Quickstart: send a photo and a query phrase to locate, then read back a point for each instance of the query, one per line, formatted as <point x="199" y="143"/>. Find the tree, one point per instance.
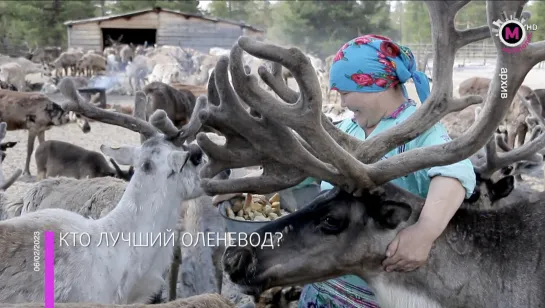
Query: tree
<point x="537" y="9"/>
<point x="396" y="20"/>
<point x="41" y="22"/>
<point x="416" y="23"/>
<point x="189" y="6"/>
<point x="321" y="27"/>
<point x="472" y="15"/>
<point x="235" y="10"/>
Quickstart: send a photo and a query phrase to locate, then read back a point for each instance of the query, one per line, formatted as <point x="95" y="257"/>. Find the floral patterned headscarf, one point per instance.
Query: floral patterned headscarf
<point x="374" y="63"/>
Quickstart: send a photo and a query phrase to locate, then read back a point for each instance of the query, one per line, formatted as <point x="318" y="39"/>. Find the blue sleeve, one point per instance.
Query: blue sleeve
<point x="462" y="170"/>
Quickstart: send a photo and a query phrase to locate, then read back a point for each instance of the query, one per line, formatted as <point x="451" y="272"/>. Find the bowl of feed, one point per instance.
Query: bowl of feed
<point x="249" y="212"/>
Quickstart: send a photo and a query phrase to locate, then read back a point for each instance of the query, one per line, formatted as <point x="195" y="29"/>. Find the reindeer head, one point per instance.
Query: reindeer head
<point x="3" y="147"/>
<point x="496" y="171"/>
<point x="162" y="159"/>
<point x="316" y="241"/>
<point x="30" y="54"/>
<point x="5" y="184"/>
<point x="80" y="120"/>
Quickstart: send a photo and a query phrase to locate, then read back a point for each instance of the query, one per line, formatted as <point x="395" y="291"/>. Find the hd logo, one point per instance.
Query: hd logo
<point x="513" y="32"/>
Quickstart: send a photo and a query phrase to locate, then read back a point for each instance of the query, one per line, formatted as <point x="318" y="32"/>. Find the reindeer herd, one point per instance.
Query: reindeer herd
<point x="489" y="255"/>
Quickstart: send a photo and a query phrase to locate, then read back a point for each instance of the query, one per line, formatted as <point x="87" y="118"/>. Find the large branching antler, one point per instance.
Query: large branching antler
<point x="357" y="160"/>
<point x="139" y="110"/>
<point x="250" y="141"/>
<point x="78" y="104"/>
<point x="194" y="125"/>
<point x="527" y="152"/>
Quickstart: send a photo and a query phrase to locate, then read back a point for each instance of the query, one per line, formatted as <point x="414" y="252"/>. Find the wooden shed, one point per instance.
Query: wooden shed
<point x="159" y="26"/>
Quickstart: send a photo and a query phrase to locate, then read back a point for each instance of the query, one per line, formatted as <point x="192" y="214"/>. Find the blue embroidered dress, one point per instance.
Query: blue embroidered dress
<point x="351" y="291"/>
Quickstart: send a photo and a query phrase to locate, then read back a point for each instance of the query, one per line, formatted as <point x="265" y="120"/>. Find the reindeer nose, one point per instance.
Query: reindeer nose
<point x="86" y="128"/>
<point x="236" y="262"/>
<point x="507" y="170"/>
<point x="195" y="153"/>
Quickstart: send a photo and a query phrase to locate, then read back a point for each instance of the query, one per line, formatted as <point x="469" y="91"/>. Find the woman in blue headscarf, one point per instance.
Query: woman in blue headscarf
<point x="369" y="72"/>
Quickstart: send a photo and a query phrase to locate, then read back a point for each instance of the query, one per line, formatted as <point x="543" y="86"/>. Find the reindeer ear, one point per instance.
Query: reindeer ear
<point x="177" y="160"/>
<point x="124" y="155"/>
<point x="502" y="188"/>
<point x="392" y="213"/>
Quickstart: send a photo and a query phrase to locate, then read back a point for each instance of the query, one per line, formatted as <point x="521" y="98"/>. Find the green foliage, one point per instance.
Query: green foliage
<point x="322" y="27"/>
<point x="416" y="26"/>
<point x="472" y="15"/>
<point x="415" y="20"/>
<point x="41" y="22"/>
<point x="235" y="10"/>
<point x="256" y="13"/>
<point x="123" y="6"/>
<point x="537" y="9"/>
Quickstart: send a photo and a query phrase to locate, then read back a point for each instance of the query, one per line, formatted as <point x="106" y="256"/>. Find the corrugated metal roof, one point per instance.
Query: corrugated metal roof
<point x="158" y="9"/>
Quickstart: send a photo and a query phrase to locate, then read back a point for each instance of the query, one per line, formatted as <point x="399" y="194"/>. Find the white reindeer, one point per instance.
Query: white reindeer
<point x="166" y="173"/>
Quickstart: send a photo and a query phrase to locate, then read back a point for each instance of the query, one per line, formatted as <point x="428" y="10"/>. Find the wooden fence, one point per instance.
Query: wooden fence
<point x="11" y="48"/>
<point x="481" y="53"/>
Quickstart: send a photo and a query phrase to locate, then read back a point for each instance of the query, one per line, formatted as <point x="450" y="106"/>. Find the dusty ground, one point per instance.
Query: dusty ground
<point x="112" y="135"/>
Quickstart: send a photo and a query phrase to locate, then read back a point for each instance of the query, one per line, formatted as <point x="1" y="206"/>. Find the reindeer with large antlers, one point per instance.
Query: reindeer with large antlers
<point x="482" y="259"/>
<point x="166" y="173"/>
<point x="489" y="193"/>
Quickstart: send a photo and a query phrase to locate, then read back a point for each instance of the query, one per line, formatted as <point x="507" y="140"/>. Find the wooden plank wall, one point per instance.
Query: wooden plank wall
<point x="148" y="20"/>
<point x="195" y="33"/>
<point x="87" y="36"/>
<point x="172" y="29"/>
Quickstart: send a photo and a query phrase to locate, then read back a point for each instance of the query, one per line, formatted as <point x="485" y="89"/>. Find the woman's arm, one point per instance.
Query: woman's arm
<point x="445" y="196"/>
<point x="411" y="247"/>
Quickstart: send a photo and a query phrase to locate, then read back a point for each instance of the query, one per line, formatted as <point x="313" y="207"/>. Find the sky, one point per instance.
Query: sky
<point x="204" y="4"/>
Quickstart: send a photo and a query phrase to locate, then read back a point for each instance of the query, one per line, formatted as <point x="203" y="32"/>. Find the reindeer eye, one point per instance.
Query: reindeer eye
<point x="332" y="225"/>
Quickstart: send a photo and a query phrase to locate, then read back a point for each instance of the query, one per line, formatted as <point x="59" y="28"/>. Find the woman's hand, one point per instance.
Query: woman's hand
<point x="411" y="246"/>
<point x="409" y="249"/>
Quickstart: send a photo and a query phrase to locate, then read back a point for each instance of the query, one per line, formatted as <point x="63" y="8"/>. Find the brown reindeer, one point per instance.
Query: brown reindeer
<point x="91" y="64"/>
<point x="5" y="183"/>
<point x="516" y="126"/>
<point x="515" y="119"/>
<point x="58" y="158"/>
<point x="43" y="55"/>
<point x="36" y="113"/>
<point x="178" y="104"/>
<point x="65" y="61"/>
<point x="484" y="258"/>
